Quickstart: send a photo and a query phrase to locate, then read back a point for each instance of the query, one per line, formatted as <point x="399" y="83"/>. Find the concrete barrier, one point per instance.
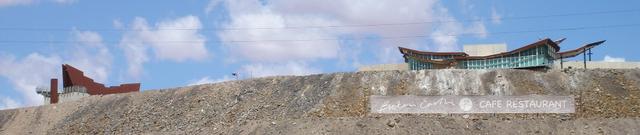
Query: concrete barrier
<point x="384" y="67"/>
<point x="598" y="65"/>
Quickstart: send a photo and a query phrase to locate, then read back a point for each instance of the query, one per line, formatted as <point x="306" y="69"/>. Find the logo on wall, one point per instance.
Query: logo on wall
<point x="465" y="104"/>
<point x="472" y="104"/>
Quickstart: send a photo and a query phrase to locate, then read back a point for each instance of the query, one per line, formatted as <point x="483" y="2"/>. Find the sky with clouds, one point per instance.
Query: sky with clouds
<point x="165" y="44"/>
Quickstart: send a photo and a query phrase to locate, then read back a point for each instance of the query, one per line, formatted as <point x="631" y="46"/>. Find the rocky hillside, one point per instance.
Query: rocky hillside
<point x="607" y="102"/>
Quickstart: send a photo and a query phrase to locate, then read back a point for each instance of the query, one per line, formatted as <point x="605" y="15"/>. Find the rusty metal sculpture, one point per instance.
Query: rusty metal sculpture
<point x="72" y="77"/>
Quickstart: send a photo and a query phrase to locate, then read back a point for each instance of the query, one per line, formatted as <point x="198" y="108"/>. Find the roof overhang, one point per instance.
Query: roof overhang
<point x="407" y="51"/>
<point x="578" y="51"/>
<point x="546" y="41"/>
<point x="465" y="56"/>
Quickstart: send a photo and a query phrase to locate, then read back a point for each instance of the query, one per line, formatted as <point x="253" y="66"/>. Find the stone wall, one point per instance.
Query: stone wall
<point x="72" y="96"/>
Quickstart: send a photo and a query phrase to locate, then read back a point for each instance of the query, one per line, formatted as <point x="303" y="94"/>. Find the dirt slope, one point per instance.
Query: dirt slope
<point x="608" y="102"/>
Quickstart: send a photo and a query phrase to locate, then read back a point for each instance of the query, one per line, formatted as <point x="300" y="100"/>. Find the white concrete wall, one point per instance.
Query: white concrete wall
<point x="66" y="97"/>
<point x="47" y="100"/>
<point x="484" y="49"/>
<point x="598" y="64"/>
<point x="384" y="67"/>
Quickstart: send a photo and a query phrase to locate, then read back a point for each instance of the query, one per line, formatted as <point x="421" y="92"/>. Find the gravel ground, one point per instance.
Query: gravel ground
<point x="607" y="103"/>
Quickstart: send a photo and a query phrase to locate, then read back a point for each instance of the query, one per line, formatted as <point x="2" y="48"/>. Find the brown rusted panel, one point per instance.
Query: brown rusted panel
<point x="122" y="88"/>
<point x="75" y="77"/>
<point x="54" y="91"/>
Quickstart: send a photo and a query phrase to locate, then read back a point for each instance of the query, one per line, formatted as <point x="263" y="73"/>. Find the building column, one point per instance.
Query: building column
<point x="561" y="61"/>
<point x="54" y="91"/>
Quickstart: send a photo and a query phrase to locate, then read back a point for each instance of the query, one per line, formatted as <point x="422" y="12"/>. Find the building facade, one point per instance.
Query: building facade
<point x="540" y="54"/>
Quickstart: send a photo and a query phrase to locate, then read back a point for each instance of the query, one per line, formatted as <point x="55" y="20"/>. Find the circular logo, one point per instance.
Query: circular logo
<point x="465" y="104"/>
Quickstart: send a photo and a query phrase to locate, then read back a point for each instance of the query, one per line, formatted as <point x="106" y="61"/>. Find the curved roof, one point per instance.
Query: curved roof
<point x="546" y="41"/>
<point x="407" y="50"/>
<point x="578" y="51"/>
<point x="462" y="55"/>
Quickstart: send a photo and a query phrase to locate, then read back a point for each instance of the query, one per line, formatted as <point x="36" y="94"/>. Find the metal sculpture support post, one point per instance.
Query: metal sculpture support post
<point x="589" y="54"/>
<point x="54" y="91"/>
<point x="584" y="58"/>
<point x="561" y="61"/>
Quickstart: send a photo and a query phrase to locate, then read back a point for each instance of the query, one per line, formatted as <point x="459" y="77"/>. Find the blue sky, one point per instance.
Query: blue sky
<point x="165" y="44"/>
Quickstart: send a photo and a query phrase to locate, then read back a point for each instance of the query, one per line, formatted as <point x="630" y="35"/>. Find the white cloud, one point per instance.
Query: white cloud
<point x="477" y="29"/>
<point x="312" y="26"/>
<point x="4" y="3"/>
<point x="608" y="58"/>
<point x="207" y="79"/>
<point x="88" y="54"/>
<point x="496" y="18"/>
<point x="193" y="48"/>
<point x="8" y="103"/>
<point x="278" y="51"/>
<point x="203" y="80"/>
<point x="211" y="5"/>
<point x="134" y="51"/>
<point x="176" y="40"/>
<point x="27" y="73"/>
<point x="294" y="13"/>
<point x="91" y="55"/>
<point x="118" y="24"/>
<point x="65" y="1"/>
<point x="445" y="36"/>
<point x="467" y="6"/>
